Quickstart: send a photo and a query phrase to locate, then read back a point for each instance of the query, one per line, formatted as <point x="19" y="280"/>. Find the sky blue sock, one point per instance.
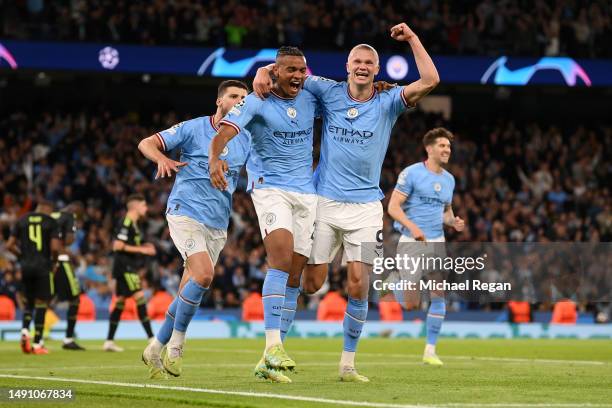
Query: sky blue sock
<point x="435" y="317"/>
<point x="354" y="318"/>
<point x="273" y="296"/>
<point x="289" y="308"/>
<point x="189" y="300"/>
<point x="164" y="333"/>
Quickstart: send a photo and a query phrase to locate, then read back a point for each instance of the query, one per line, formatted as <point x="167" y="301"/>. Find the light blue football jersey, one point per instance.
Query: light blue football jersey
<point x="428" y="193"/>
<point x="282" y="136"/>
<point x="192" y="194"/>
<point x="355" y="139"/>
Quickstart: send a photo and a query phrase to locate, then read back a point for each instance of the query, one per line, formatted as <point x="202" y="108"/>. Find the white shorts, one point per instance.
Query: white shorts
<point x="190" y="237"/>
<point x="292" y="211"/>
<point x="356" y="226"/>
<point x="418" y="249"/>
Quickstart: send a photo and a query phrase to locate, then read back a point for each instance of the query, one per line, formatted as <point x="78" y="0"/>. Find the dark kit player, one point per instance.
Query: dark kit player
<point x="67" y="288"/>
<point x="128" y="249"/>
<point x="34" y="239"/>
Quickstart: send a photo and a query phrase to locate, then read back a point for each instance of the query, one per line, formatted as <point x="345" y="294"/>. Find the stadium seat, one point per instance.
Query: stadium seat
<point x="7" y="308"/>
<point x="564" y="312"/>
<point x="130" y="311"/>
<point x="158" y="305"/>
<point x="252" y="308"/>
<point x="87" y="309"/>
<point x="390" y="311"/>
<point x="519" y="312"/>
<point x="332" y="307"/>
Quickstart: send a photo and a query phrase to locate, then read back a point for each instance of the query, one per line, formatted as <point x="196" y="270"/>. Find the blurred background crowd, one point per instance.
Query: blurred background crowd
<point x="516" y="182"/>
<point x="581" y="28"/>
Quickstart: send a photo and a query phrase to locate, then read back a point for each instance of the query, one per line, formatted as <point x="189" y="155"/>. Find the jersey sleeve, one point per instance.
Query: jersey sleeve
<point x="395" y="101"/>
<point x="243" y="112"/>
<point x="405" y="182"/>
<point x="54" y="229"/>
<point x="122" y="231"/>
<point x="174" y="137"/>
<point x="318" y="86"/>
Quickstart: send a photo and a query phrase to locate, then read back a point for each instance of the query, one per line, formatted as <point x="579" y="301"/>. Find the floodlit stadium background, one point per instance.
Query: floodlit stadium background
<point x="524" y="87"/>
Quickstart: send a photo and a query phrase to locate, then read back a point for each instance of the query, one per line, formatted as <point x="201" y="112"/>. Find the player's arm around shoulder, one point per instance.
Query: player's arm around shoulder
<point x="429" y="77"/>
<point x="152" y="148"/>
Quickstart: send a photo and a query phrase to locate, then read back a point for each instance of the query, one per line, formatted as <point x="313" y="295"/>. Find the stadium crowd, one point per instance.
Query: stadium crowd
<point x="578" y="28"/>
<point x="528" y="182"/>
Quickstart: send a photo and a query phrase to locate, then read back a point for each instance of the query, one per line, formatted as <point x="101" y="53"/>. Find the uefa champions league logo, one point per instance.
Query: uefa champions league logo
<point x="291" y="112"/>
<point x="108" y="57"/>
<point x="225" y="151"/>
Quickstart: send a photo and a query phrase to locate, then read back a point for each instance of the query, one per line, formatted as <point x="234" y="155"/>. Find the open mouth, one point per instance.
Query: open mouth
<point x="361" y="74"/>
<point x="294" y="85"/>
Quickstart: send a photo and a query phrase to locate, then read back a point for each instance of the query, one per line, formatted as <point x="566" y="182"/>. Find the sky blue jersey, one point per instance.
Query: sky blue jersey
<point x="355" y="139"/>
<point x="428" y="193"/>
<point x="192" y="194"/>
<point x="282" y="136"/>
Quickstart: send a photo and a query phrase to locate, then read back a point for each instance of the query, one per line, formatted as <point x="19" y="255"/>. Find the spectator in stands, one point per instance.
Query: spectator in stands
<point x="252" y="305"/>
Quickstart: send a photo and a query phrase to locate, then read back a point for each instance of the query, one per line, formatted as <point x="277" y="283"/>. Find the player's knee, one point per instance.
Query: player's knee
<point x="201" y="269"/>
<point x="314" y="278"/>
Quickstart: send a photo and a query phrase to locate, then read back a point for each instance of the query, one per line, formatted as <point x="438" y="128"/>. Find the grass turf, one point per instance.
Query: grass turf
<point x="476" y="372"/>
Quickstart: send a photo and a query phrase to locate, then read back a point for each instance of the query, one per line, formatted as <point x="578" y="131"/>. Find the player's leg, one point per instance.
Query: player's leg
<point x="435" y="317"/>
<point x="28" y="302"/>
<point x="141" y="309"/>
<point x="201" y="270"/>
<point x="275" y="214"/>
<point x="361" y="246"/>
<point x="326" y="243"/>
<point x="303" y="233"/>
<point x="123" y="284"/>
<point x="292" y="292"/>
<point x="44" y="293"/>
<point x="354" y="318"/>
<point x="67" y="289"/>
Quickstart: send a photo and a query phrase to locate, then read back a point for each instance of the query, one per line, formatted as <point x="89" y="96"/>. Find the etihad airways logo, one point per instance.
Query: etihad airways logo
<point x="502" y="75"/>
<point x="8" y="57"/>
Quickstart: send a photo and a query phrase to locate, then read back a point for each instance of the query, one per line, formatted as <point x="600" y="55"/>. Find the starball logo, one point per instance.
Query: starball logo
<point x="502" y="75"/>
<point x="8" y="57"/>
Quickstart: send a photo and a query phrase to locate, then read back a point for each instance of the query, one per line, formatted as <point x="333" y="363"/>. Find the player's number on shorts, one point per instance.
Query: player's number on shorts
<point x="35" y="235"/>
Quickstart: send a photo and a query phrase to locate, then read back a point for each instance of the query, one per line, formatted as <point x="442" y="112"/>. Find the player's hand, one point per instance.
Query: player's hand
<point x="148" y="249"/>
<point x="217" y="169"/>
<point x="166" y="166"/>
<point x="459" y="224"/>
<point x="262" y="84"/>
<point x="402" y="32"/>
<point x="417" y="234"/>
<point x="383" y="86"/>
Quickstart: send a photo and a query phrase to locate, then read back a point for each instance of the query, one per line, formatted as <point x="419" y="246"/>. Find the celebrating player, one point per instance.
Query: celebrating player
<point x="421" y="205"/>
<point x="357" y="123"/>
<point x="129" y="249"/>
<point x="35" y="240"/>
<point x="197" y="214"/>
<point x="66" y="283"/>
<point x="280" y="181"/>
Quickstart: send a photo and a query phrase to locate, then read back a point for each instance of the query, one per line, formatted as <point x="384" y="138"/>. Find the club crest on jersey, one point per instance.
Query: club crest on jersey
<point x="352" y="113"/>
<point x="174" y="128"/>
<point x="189" y="243"/>
<point x="225" y="151"/>
<point x="437" y="187"/>
<point x="291" y="112"/>
<point x="270" y="218"/>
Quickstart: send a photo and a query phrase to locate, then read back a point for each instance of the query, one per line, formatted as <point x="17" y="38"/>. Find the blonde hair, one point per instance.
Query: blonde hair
<point x="364" y="47"/>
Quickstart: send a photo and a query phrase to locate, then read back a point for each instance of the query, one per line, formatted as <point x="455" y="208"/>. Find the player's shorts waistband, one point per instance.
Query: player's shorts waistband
<point x="63" y="258"/>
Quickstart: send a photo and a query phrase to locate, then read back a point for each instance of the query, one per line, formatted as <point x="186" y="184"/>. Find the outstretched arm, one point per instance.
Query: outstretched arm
<point x="151" y="148"/>
<point x="216" y="167"/>
<point x="427" y="70"/>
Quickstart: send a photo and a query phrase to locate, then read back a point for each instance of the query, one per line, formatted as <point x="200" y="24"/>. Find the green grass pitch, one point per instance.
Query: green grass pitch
<point x="218" y="373"/>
